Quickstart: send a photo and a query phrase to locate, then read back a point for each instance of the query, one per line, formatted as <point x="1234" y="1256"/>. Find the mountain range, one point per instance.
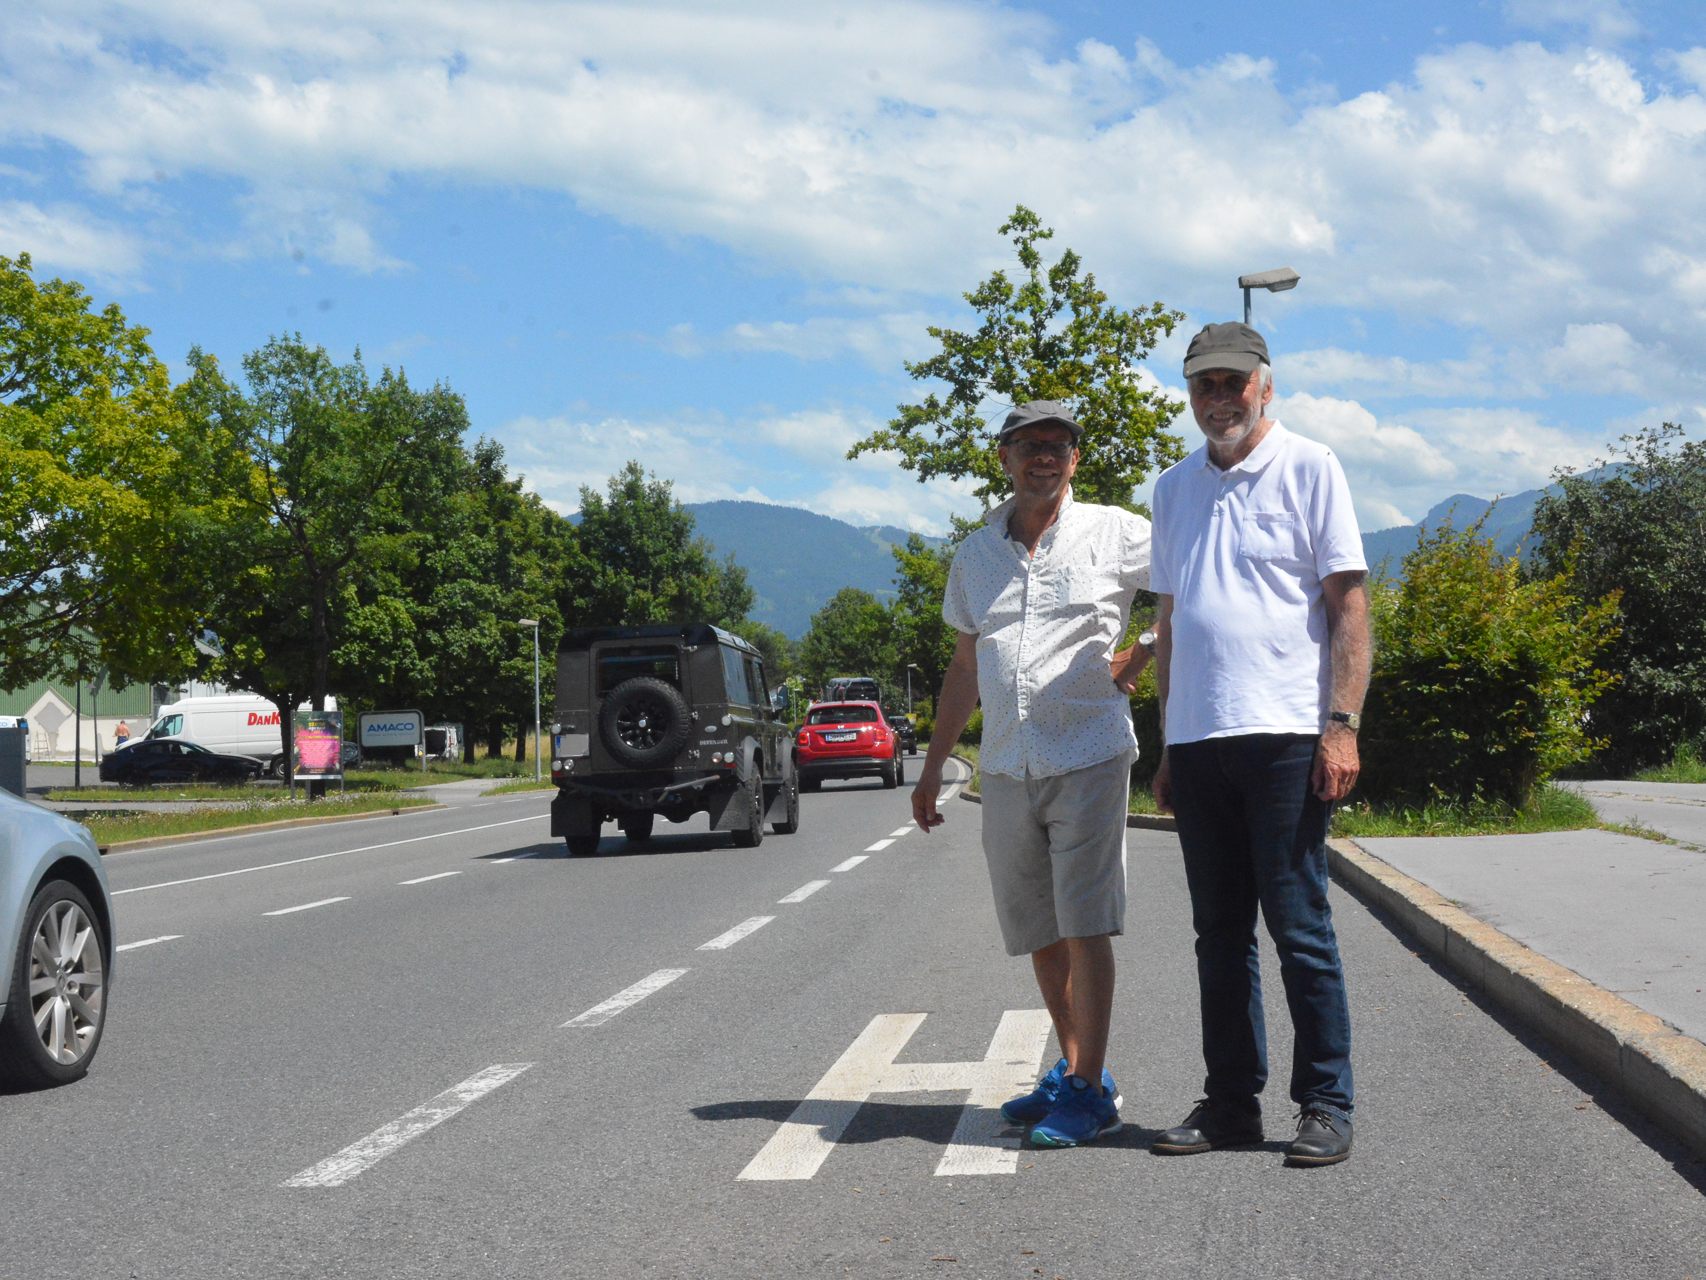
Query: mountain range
<point x="796" y="559"/>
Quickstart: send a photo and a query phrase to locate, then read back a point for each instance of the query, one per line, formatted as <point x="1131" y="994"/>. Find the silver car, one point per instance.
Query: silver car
<point x="56" y="948"/>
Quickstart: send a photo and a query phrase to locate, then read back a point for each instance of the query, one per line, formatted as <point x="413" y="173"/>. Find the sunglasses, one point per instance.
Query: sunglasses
<point x="1028" y="449"/>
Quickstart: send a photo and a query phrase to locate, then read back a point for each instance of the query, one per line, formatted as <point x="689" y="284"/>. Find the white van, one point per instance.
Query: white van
<point x="243" y="724"/>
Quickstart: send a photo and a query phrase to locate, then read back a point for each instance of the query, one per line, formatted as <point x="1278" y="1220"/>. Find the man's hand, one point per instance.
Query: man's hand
<point x="1127" y="665"/>
<point x="1337" y="763"/>
<point x="1162" y="785"/>
<point x="924" y="794"/>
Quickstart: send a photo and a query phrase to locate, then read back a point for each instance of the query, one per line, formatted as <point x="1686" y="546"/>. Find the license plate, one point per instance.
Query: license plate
<point x="844" y="735"/>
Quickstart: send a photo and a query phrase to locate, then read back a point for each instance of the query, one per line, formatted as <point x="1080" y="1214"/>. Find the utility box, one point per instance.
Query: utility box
<point x="13" y="741"/>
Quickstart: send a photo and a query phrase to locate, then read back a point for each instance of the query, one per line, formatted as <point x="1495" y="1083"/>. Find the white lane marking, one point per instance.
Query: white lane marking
<point x="362" y="1155"/>
<point x="537" y="853"/>
<point x="148" y="942"/>
<point x="980" y="1144"/>
<point x="879" y="846"/>
<point x="306" y="906"/>
<point x="723" y="941"/>
<point x="423" y="879"/>
<point x="319" y="857"/>
<point x="601" y="1013"/>
<point x="802" y="893"/>
<point x="852" y="862"/>
<point x="896" y="835"/>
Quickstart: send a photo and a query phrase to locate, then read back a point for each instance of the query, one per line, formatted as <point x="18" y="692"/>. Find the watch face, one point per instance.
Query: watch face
<point x="1146" y="639"/>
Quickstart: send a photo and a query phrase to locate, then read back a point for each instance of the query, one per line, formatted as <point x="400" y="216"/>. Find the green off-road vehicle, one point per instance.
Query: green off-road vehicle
<point x="671" y="720"/>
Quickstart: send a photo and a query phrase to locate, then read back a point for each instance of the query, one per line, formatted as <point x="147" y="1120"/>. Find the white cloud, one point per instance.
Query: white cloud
<point x="880" y="341"/>
<point x="65" y="239"/>
<point x="1605" y="20"/>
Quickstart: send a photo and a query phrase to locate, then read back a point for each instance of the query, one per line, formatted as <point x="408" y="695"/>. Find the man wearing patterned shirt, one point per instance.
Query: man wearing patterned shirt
<point x="1040" y="596"/>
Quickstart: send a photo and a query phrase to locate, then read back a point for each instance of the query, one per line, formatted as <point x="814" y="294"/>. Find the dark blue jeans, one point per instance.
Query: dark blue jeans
<point x="1254" y="834"/>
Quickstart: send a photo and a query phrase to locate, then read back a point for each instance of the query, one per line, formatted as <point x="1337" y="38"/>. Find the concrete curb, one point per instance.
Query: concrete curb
<point x="190" y="837"/>
<point x="1658" y="1068"/>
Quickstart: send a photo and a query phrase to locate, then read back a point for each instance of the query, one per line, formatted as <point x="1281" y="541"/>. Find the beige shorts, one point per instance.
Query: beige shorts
<point x="1056" y="853"/>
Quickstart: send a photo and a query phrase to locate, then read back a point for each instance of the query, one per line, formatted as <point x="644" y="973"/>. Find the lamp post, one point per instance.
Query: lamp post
<point x="1276" y="281"/>
<point x="537" y="764"/>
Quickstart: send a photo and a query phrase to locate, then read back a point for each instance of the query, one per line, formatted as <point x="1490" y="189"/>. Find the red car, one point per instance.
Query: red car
<point x="847" y="740"/>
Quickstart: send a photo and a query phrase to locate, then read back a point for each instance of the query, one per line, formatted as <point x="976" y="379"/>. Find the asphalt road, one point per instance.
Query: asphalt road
<point x="430" y="1045"/>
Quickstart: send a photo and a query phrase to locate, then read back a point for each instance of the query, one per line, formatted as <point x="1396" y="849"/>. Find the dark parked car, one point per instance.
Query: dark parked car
<point x="670" y="720"/>
<point x="56" y="946"/>
<point x="848" y="740"/>
<point x="174" y="760"/>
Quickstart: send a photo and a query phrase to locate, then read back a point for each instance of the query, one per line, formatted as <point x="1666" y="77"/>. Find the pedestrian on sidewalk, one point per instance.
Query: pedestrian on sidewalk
<point x="1262" y="660"/>
<point x="1040" y="596"/>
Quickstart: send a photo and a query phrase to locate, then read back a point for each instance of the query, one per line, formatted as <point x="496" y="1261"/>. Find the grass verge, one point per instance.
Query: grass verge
<point x="518" y="784"/>
<point x="1552" y="809"/>
<point x="119" y="826"/>
<point x="1685" y="766"/>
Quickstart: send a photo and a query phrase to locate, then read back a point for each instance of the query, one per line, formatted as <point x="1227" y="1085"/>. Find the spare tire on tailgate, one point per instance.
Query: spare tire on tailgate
<point x="644" y="722"/>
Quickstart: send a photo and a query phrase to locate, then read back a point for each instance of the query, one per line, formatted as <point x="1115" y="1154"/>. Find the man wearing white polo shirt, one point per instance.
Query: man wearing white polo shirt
<point x="1262" y="660"/>
<point x="1040" y="595"/>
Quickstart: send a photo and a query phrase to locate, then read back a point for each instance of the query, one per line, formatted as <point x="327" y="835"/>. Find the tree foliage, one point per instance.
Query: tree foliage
<point x="1483" y="678"/>
<point x="1050" y="335"/>
<point x="921" y="635"/>
<point x="92" y="483"/>
<point x="1637" y="526"/>
<point x="852" y="635"/>
<point x="644" y="563"/>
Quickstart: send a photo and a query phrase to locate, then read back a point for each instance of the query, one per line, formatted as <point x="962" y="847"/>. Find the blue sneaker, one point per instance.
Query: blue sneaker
<point x="1031" y="1107"/>
<point x="1080" y="1114"/>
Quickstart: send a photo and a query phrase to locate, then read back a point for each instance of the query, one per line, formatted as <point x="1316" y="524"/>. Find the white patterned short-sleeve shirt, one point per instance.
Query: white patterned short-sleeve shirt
<point x="1046" y="627"/>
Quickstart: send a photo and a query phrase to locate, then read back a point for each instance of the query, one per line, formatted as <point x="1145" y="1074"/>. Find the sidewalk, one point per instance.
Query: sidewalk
<point x="1597" y="940"/>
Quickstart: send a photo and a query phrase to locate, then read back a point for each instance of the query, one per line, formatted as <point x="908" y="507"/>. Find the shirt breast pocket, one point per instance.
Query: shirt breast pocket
<point x="1273" y="536"/>
<point x="1078" y="587"/>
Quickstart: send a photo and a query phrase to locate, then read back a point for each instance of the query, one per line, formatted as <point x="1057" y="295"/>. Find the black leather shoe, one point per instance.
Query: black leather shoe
<point x="1322" y="1138"/>
<point x="1211" y="1124"/>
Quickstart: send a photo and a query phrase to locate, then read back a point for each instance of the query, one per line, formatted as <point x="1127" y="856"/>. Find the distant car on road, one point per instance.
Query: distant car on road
<point x="906" y="731"/>
<point x="848" y="740"/>
<point x="56" y="948"/>
<point x="174" y="760"/>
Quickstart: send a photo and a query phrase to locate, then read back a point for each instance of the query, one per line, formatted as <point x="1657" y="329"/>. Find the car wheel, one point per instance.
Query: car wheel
<point x="582" y="846"/>
<point x="57" y="1005"/>
<point x="644" y="722"/>
<point x="638" y="826"/>
<point x="899" y="769"/>
<point x="752" y="835"/>
<point x="890" y="773"/>
<point x="791" y="823"/>
<point x="275" y="767"/>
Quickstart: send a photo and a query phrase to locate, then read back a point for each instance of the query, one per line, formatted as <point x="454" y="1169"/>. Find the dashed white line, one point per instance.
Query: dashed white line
<point x="896" y="835"/>
<point x="537" y="853"/>
<point x="879" y="846"/>
<point x="306" y="906"/>
<point x="803" y="892"/>
<point x="319" y="857"/>
<point x="723" y="941"/>
<point x="423" y="879"/>
<point x="362" y="1155"/>
<point x="148" y="942"/>
<point x="852" y="862"/>
<point x="601" y="1013"/>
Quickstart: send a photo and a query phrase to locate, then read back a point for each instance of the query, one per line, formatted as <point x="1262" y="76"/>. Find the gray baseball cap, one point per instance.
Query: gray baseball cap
<point x="1232" y="346"/>
<point x="1037" y="413"/>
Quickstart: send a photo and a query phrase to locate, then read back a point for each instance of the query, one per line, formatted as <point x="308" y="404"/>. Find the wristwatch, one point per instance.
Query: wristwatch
<point x="1350" y="719"/>
<point x="1147" y="639"/>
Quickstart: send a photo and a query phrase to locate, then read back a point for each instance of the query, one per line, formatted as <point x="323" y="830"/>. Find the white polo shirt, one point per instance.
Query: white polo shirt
<point x="1242" y="552"/>
<point x="1046" y="626"/>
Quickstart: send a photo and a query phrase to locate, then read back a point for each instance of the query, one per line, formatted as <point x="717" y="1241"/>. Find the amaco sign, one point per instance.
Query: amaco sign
<point x="390" y="728"/>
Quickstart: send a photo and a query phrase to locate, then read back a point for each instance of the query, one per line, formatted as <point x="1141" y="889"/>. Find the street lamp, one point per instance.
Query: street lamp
<point x="910" y="668"/>
<point x="537" y="751"/>
<point x="1276" y="281"/>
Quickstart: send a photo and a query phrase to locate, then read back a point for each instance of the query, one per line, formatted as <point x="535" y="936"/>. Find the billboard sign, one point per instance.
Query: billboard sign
<point x="319" y="744"/>
<point x="390" y="728"/>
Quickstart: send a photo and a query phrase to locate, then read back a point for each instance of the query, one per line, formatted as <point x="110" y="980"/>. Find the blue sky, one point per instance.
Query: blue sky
<point x="707" y="235"/>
